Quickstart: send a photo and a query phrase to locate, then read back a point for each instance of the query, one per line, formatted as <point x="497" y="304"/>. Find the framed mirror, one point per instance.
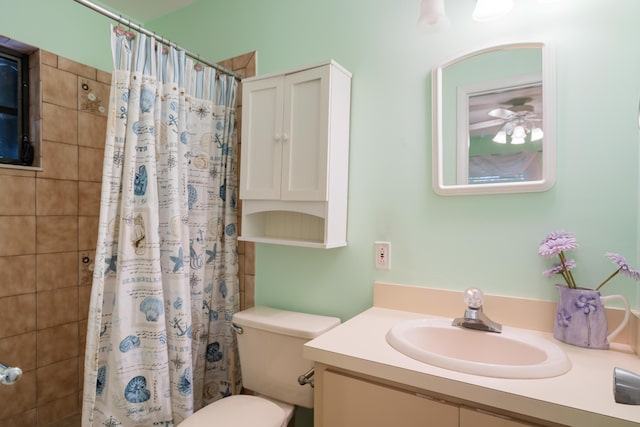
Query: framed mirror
<point x="494" y="121"/>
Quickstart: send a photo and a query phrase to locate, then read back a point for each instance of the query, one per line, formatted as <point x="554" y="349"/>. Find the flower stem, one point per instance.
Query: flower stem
<point x="608" y="278"/>
<point x="566" y="277"/>
<point x="569" y="276"/>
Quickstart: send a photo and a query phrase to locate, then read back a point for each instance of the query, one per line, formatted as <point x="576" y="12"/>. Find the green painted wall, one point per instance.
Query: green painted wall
<point x="446" y="242"/>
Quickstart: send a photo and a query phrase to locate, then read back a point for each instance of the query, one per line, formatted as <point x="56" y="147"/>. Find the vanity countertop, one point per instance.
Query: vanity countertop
<point x="581" y="397"/>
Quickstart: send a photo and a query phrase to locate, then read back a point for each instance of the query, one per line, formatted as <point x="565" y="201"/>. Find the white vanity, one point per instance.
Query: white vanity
<point x="361" y="380"/>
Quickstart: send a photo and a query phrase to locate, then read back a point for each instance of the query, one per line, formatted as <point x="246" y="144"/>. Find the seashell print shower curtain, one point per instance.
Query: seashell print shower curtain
<point x="165" y="283"/>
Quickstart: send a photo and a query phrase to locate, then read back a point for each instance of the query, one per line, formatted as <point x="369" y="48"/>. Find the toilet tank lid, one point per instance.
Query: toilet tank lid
<point x="285" y="322"/>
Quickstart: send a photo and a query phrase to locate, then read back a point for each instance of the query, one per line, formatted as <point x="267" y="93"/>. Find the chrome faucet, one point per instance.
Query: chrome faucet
<point x="474" y="317"/>
<point x="9" y="375"/>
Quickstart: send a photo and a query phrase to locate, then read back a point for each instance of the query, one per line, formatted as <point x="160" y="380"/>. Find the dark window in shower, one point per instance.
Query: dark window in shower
<point x="15" y="147"/>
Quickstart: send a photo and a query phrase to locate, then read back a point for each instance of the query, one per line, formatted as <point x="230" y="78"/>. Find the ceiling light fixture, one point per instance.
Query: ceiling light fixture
<point x="434" y="18"/>
<point x="501" y="137"/>
<point x="487" y="10"/>
<point x="536" y="134"/>
<point x="516" y="133"/>
<point x="432" y="15"/>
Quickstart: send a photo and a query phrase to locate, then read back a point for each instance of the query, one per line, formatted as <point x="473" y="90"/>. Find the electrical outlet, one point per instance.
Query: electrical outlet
<point x="383" y="255"/>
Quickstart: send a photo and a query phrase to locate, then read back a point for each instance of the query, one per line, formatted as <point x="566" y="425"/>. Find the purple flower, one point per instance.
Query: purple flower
<point x="557" y="242"/>
<point x="623" y="266"/>
<point x="559" y="268"/>
<point x="554" y="244"/>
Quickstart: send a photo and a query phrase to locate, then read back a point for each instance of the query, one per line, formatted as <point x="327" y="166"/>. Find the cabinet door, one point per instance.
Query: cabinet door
<point x="349" y="402"/>
<point x="306" y="135"/>
<point x="262" y="138"/>
<point x="475" y="418"/>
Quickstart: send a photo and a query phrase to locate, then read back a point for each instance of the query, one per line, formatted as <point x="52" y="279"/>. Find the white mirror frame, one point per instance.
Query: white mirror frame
<point x="548" y="127"/>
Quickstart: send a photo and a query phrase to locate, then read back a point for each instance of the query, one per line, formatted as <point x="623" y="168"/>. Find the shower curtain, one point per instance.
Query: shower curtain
<point x="165" y="283"/>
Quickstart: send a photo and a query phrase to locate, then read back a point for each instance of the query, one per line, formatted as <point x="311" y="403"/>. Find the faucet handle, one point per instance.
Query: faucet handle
<point x="474" y="298"/>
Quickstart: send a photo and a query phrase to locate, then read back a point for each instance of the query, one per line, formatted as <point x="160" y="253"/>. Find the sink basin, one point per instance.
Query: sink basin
<point x="514" y="353"/>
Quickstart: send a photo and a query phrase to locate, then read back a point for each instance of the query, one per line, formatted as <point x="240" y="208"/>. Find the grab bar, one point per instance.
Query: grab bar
<point x="307" y="378"/>
<point x="9" y="375"/>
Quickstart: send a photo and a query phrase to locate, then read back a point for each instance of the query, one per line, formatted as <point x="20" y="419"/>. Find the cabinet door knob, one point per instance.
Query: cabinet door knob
<point x="277" y="137"/>
<point x="285" y="137"/>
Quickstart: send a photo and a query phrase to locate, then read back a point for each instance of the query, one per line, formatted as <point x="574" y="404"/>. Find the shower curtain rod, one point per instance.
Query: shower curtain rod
<point x="161" y="39"/>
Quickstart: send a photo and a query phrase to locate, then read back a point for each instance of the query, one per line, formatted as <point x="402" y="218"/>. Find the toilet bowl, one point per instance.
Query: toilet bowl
<point x="242" y="411"/>
<point x="270" y="348"/>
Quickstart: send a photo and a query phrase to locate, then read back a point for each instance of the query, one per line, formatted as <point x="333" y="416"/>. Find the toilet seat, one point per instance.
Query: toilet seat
<point x="238" y="411"/>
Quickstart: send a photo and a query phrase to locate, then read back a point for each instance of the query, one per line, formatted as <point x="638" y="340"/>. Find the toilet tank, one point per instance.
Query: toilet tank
<point x="270" y="348"/>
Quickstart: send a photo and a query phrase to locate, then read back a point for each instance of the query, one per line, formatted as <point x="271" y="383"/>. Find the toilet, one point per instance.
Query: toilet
<point x="270" y="348"/>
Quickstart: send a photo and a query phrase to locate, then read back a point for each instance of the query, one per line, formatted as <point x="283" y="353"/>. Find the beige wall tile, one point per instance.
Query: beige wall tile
<point x="57" y="344"/>
<point x="76" y="68"/>
<point x="17" y="315"/>
<point x="57" y="410"/>
<point x="22" y="396"/>
<point x="17" y="195"/>
<point x="41" y="291"/>
<point x="49" y="58"/>
<point x="249" y="291"/>
<point x="242" y="61"/>
<point x="92" y="130"/>
<point x="104" y="77"/>
<point x="250" y="258"/>
<point x="82" y="341"/>
<point x="54" y="307"/>
<point x="25" y="419"/>
<point x="18" y="275"/>
<point x="57" y="380"/>
<point x="59" y="124"/>
<point x="59" y="87"/>
<point x="59" y="161"/>
<point x="6" y="170"/>
<point x="57" y="234"/>
<point x="86" y="265"/>
<point x="20" y="351"/>
<point x="90" y="164"/>
<point x="89" y="194"/>
<point x="239" y="129"/>
<point x="241" y="273"/>
<point x="84" y="299"/>
<point x="18" y="235"/>
<point x="57" y="270"/>
<point x="57" y="197"/>
<point x="93" y="97"/>
<point x="87" y="232"/>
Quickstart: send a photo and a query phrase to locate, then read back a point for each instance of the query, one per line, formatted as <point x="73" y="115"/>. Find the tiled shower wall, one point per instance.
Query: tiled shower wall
<point x="48" y="231"/>
<point x="245" y="66"/>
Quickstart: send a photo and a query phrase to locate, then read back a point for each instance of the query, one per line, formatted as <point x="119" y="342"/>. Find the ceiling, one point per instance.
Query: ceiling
<point x="143" y="11"/>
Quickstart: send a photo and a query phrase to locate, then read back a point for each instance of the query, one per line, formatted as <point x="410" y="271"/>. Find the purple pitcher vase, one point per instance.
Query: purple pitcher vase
<point x="581" y="319"/>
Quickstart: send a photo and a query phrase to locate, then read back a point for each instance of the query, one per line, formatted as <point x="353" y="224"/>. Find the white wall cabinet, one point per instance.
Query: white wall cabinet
<point x="295" y="156"/>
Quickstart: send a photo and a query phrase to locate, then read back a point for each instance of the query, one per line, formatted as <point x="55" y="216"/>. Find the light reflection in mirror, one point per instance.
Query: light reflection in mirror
<point x="494" y="121"/>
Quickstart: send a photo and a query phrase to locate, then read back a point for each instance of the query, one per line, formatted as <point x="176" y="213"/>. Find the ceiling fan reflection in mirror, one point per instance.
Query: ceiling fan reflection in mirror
<point x="520" y="121"/>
